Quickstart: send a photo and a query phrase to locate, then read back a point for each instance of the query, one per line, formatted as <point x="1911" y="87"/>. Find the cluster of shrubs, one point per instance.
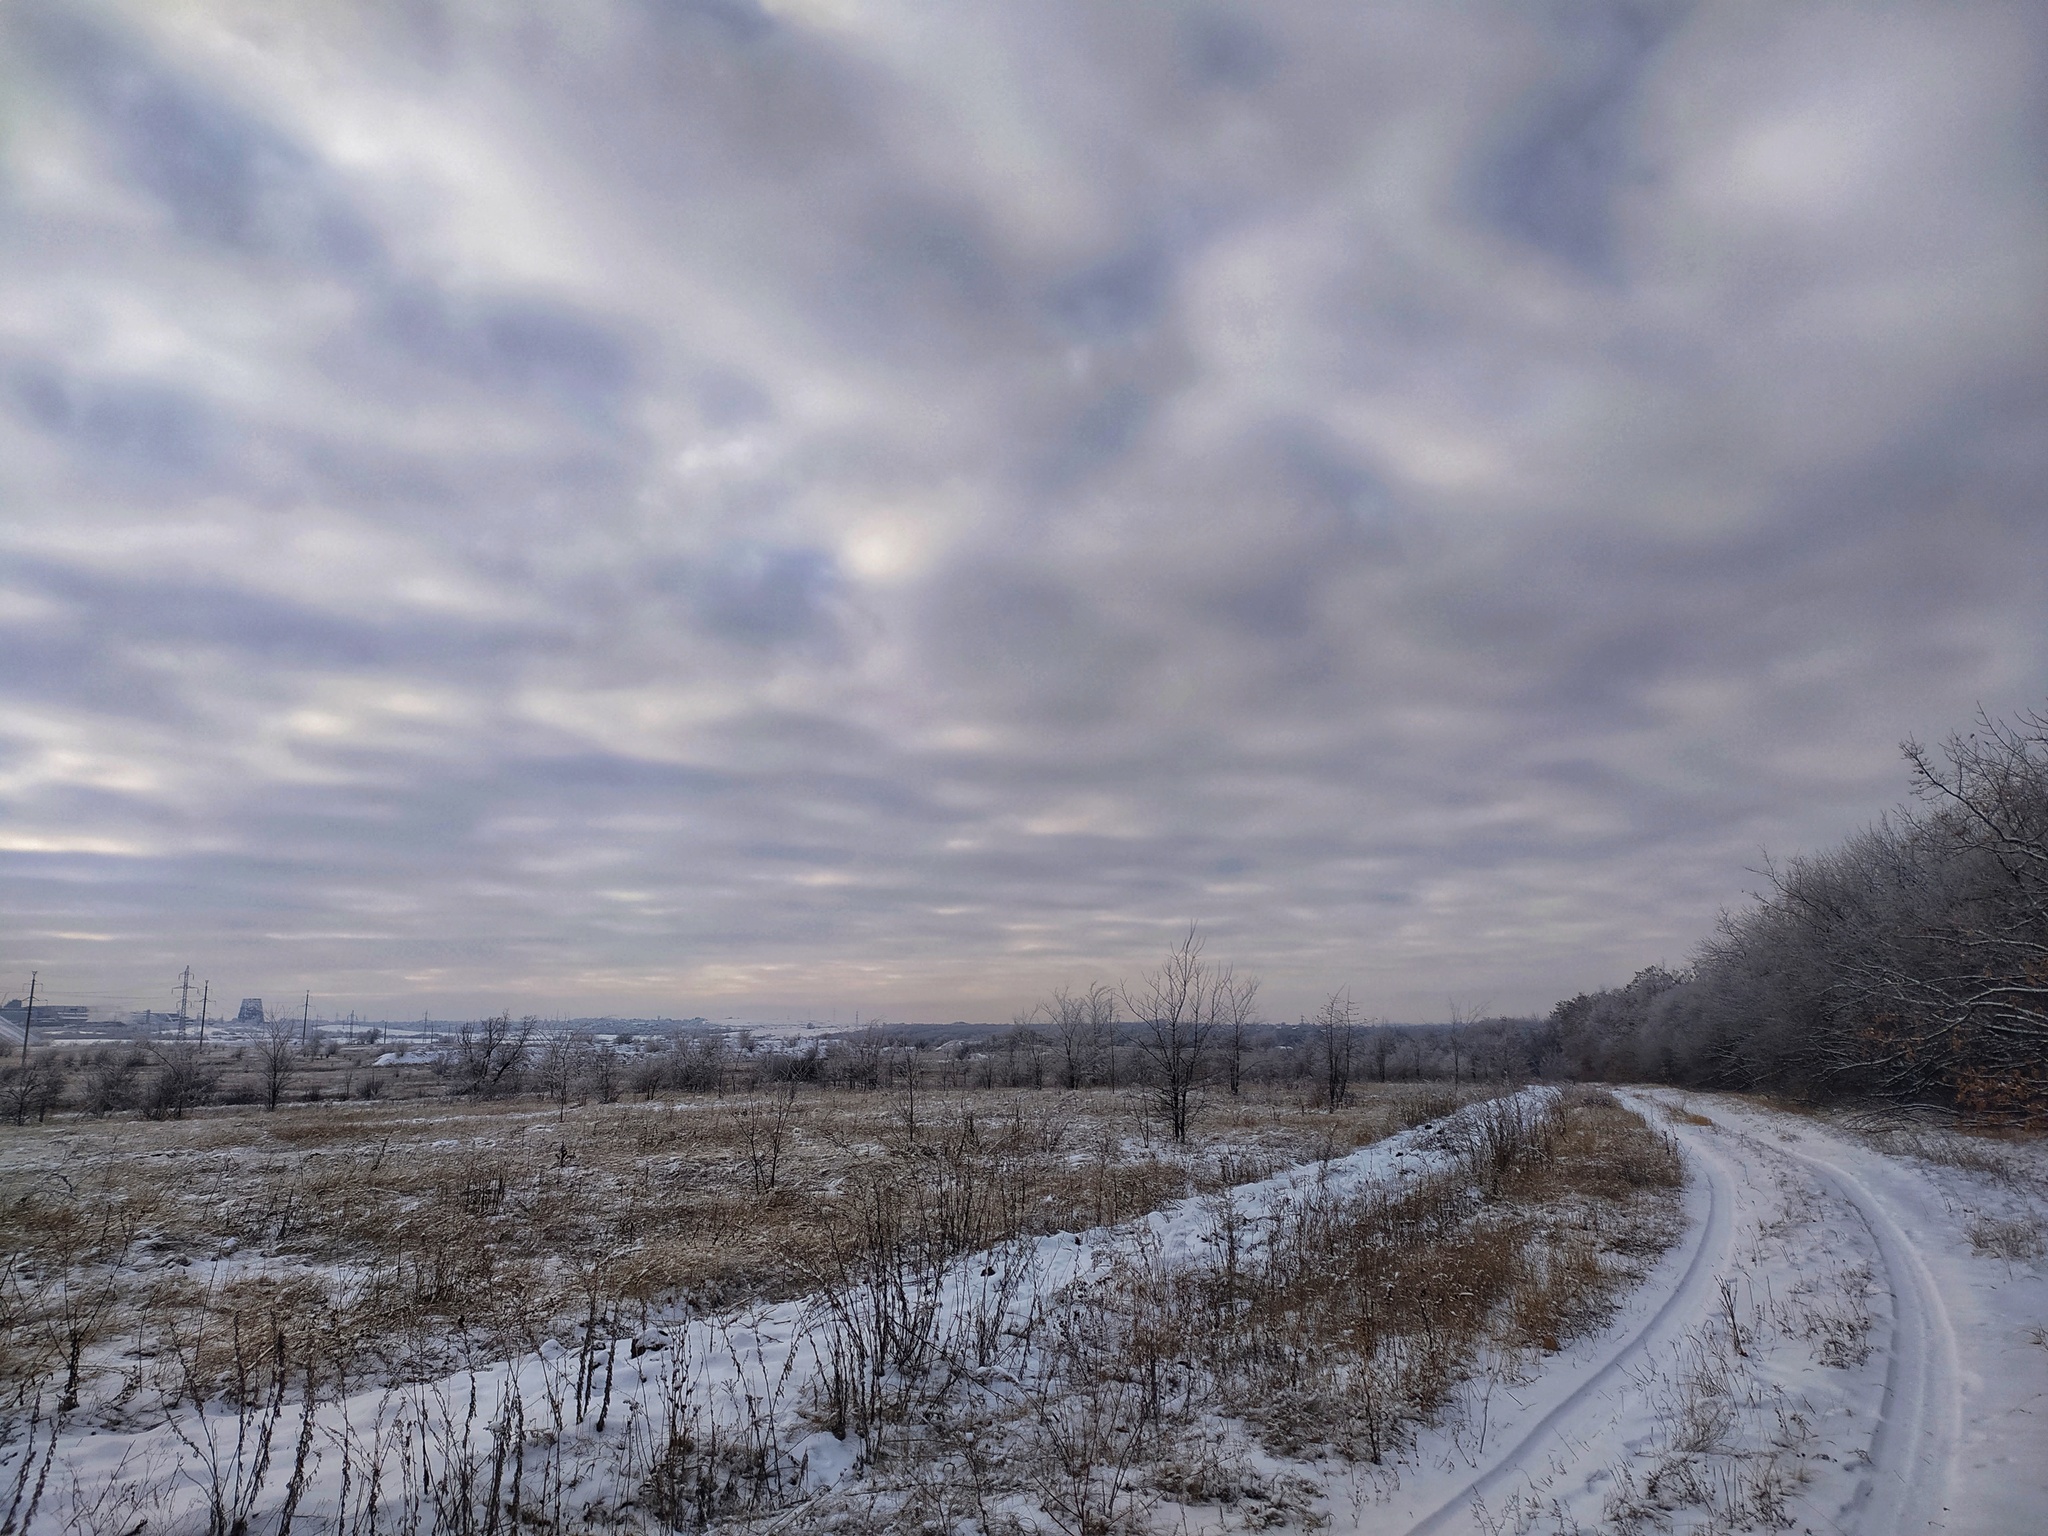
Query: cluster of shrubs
<point x="160" y="1083"/>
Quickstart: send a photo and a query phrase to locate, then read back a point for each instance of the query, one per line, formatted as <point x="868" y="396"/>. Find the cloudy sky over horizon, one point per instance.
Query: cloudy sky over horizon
<point x="705" y="506"/>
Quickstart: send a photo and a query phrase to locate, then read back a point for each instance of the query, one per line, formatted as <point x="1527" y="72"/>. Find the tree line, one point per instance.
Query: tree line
<point x="1908" y="964"/>
<point x="1189" y="1028"/>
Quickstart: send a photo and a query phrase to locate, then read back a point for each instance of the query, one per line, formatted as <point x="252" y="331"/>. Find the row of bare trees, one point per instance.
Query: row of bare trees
<point x="1191" y="1021"/>
<point x="1910" y="963"/>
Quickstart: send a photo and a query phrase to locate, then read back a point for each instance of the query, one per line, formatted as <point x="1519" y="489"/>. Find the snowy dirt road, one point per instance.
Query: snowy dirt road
<point x="1829" y="1349"/>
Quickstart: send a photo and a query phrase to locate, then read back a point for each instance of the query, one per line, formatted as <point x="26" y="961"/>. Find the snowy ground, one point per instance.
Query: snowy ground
<point x="1828" y="1351"/>
<point x="751" y="1375"/>
<point x="1851" y="1337"/>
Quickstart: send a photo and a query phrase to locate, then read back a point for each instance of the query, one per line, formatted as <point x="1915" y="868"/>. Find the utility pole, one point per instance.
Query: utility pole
<point x="205" y="991"/>
<point x="184" y="1000"/>
<point x="305" y="1021"/>
<point x="29" y="1017"/>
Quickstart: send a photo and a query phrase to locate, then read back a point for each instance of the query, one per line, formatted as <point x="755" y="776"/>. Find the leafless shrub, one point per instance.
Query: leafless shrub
<point x="183" y="1080"/>
<point x="31" y="1090"/>
<point x="276" y="1054"/>
<point x="1432" y="1101"/>
<point x="765" y="1131"/>
<point x="489" y="1056"/>
<point x="130" y="1498"/>
<point x="107" y="1083"/>
<point x="1496" y="1139"/>
<point x="882" y="1299"/>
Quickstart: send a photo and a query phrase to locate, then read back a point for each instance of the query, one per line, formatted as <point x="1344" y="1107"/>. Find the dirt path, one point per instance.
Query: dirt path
<point x="1797" y="1360"/>
<point x="1579" y="1397"/>
<point x="1912" y="1449"/>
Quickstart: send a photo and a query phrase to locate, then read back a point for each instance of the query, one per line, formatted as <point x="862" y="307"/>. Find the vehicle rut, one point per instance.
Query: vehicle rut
<point x="1912" y="1449"/>
<point x="1711" y="1242"/>
<point x="1905" y="1486"/>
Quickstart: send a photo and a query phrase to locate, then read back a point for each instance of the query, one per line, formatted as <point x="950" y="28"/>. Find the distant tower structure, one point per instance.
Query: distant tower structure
<point x="251" y="1011"/>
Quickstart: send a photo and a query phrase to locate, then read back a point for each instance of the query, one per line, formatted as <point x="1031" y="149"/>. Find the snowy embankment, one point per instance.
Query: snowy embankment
<point x="1849" y="1340"/>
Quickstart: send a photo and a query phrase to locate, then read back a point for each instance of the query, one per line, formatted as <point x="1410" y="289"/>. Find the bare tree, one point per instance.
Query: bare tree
<point x="1101" y="1002"/>
<point x="1174" y="1010"/>
<point x="1080" y="1021"/>
<point x="30" y="1089"/>
<point x="560" y="1069"/>
<point x="276" y="1055"/>
<point x="490" y="1054"/>
<point x="1461" y="1019"/>
<point x="1335" y="1023"/>
<point x="183" y="1080"/>
<point x="1982" y="964"/>
<point x="1382" y="1048"/>
<point x="1237" y="1011"/>
<point x="109" y="1080"/>
<point x="865" y="1058"/>
<point x="910" y="1093"/>
<point x="1069" y="1020"/>
<point x="603" y="1071"/>
<point x="765" y="1129"/>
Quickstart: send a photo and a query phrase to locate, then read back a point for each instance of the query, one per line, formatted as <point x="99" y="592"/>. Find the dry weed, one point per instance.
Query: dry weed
<point x="423" y="1234"/>
<point x="2014" y="1240"/>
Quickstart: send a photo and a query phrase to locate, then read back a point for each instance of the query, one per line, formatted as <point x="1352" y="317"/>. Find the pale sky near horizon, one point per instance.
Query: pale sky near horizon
<point x="704" y="506"/>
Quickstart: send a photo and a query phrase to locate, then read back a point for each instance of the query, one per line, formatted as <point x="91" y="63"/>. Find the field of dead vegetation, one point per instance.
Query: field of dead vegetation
<point x="689" y="1313"/>
<point x="415" y="1236"/>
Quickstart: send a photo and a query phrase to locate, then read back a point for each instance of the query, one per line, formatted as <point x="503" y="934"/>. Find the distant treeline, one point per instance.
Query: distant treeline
<point x="1909" y="964"/>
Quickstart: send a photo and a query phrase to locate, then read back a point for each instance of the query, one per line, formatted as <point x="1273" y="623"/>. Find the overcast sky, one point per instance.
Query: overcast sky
<point x="774" y="509"/>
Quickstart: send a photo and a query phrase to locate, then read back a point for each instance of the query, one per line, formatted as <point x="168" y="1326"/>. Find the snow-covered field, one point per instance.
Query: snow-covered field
<point x="1850" y="1336"/>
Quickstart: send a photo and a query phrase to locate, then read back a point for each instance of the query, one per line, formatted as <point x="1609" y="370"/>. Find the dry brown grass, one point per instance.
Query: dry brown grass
<point x="1336" y="1325"/>
<point x="430" y="1233"/>
<point x="2015" y="1239"/>
<point x="243" y="1259"/>
<point x="1368" y="1311"/>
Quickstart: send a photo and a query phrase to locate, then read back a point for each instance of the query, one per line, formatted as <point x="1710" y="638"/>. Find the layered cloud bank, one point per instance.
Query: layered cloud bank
<point x="633" y="505"/>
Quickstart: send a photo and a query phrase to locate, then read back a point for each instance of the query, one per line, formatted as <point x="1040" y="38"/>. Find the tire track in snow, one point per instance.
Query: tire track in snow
<point x="1712" y="1241"/>
<point x="1913" y="1449"/>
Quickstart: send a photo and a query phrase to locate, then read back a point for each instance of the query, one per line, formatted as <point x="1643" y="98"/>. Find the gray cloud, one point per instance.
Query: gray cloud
<point x="705" y="506"/>
<point x="1570" y="148"/>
